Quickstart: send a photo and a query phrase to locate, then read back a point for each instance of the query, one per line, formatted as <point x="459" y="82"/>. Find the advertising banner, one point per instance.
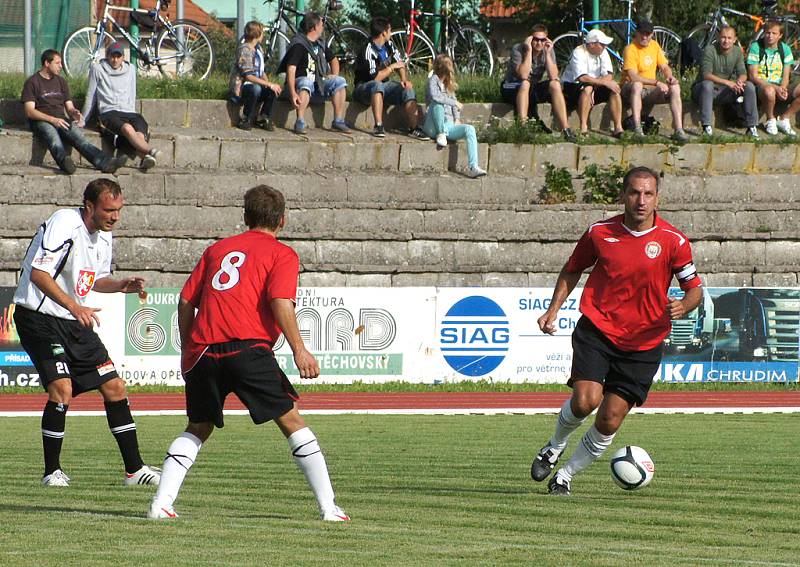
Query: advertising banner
<point x="430" y="335"/>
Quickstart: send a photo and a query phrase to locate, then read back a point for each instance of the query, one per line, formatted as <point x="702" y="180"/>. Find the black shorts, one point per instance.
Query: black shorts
<point x="246" y="368"/>
<point x="63" y="348"/>
<point x="629" y="374"/>
<point x="540" y="92"/>
<point x="572" y="91"/>
<point x="114" y="120"/>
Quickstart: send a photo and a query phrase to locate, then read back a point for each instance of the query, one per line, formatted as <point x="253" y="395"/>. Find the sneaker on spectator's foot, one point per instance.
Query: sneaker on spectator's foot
<point x="558" y="486"/>
<point x="441" y="141"/>
<point x="145" y="475"/>
<point x="638" y="131"/>
<point x="159" y="512"/>
<point x="541" y="125"/>
<point x="379" y="131"/>
<point x="569" y="135"/>
<point x="474" y="172"/>
<point x="150" y="159"/>
<point x="771" y="126"/>
<point x="68" y="166"/>
<point x="300" y="127"/>
<point x="544" y="463"/>
<point x="785" y="126"/>
<point x="708" y="130"/>
<point x="265" y="123"/>
<point x="340" y="126"/>
<point x="418" y="134"/>
<point x="751" y="132"/>
<point x="114" y="163"/>
<point x="680" y="135"/>
<point x="335" y="514"/>
<point x="244" y="124"/>
<point x="56" y="478"/>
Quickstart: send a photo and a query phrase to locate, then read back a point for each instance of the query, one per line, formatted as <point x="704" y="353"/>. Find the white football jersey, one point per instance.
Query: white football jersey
<point x="75" y="259"/>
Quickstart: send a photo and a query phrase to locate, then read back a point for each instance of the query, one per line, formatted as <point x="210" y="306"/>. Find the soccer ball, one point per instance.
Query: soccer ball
<point x="632" y="468"/>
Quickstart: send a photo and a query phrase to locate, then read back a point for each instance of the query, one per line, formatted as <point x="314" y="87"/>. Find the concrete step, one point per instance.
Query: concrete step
<point x="327" y="151"/>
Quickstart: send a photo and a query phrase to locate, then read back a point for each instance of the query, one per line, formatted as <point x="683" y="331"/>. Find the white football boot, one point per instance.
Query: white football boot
<point x="145" y="475"/>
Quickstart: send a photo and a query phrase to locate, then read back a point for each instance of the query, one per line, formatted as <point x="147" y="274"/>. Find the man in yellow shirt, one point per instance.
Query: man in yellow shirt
<point x="642" y="60"/>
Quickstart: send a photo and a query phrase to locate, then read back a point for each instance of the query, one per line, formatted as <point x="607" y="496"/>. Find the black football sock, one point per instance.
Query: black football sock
<point x="54" y="418"/>
<point x="123" y="428"/>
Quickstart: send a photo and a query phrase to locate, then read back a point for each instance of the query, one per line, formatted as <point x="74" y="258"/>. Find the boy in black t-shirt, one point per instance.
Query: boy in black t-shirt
<point x="312" y="74"/>
<point x="45" y="97"/>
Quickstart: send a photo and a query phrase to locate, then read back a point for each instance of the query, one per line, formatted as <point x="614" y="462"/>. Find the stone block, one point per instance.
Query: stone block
<point x="422" y="157"/>
<point x="732" y="158"/>
<point x="158" y="254"/>
<point x="322" y="279"/>
<point x="741" y="253"/>
<point x="306" y="249"/>
<point x="599" y="154"/>
<point x="481" y="113"/>
<point x="458" y="279"/>
<point x="705" y="253"/>
<point x="196" y="153"/>
<point x="729" y="188"/>
<point x="773" y="189"/>
<point x="782" y="253"/>
<point x="727" y="279"/>
<point x="787" y="279"/>
<point x="12" y="250"/>
<point x="208" y="114"/>
<point x="653" y="156"/>
<point x="9" y="278"/>
<point x="406" y="279"/>
<point x="243" y="155"/>
<point x="683" y="189"/>
<point x="504" y="279"/>
<point x="433" y="253"/>
<point x="507" y="190"/>
<point x="345" y="252"/>
<point x="691" y="157"/>
<point x="24" y="219"/>
<point x="511" y="159"/>
<point x="368" y="157"/>
<point x="156" y="279"/>
<point x="368" y="280"/>
<point x="558" y="154"/>
<point x="166" y="112"/>
<point x="771" y="158"/>
<point x="181" y="220"/>
<point x="17" y="150"/>
<point x="375" y="223"/>
<point x="391" y="254"/>
<point x="45" y="188"/>
<point x="542" y="279"/>
<point x="207" y="188"/>
<point x="139" y="188"/>
<point x="456" y="188"/>
<point x="167" y="148"/>
<point x="722" y="222"/>
<point x="288" y="155"/>
<point x="392" y="189"/>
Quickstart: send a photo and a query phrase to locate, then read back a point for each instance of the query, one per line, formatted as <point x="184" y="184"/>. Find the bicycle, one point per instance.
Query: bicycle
<point x="178" y="49"/>
<point x="344" y="41"/>
<point x="706" y="33"/>
<point x="623" y="28"/>
<point x="467" y="46"/>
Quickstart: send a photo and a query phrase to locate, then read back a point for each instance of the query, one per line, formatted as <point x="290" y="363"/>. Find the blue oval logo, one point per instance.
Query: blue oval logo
<point x="474" y="336"/>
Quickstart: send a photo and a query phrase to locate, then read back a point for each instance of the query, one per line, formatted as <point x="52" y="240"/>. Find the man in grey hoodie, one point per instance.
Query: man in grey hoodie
<point x="112" y="86"/>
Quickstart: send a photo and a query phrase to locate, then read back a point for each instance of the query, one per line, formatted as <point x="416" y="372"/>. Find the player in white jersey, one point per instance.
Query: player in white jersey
<point x="68" y="257"/>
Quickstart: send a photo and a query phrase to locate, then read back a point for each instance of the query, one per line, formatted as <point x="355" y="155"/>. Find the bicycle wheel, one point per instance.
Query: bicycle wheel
<point x="703" y="35"/>
<point x="472" y="53"/>
<point x="563" y="46"/>
<point x="670" y="42"/>
<point x="79" y="50"/>
<point x="275" y="44"/>
<point x="419" y="59"/>
<point x="345" y="43"/>
<point x="184" y="50"/>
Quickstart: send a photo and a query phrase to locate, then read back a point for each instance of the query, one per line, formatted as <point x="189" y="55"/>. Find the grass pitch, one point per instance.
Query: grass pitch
<point x="422" y="490"/>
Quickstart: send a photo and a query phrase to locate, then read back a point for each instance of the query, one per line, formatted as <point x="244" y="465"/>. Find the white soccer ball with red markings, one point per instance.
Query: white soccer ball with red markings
<point x="632" y="468"/>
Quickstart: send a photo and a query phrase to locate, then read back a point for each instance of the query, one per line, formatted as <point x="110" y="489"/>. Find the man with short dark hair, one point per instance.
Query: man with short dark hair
<point x="618" y="342"/>
<point x="46" y="96"/>
<point x="112" y="89"/>
<point x="233" y="308"/>
<point x="312" y="74"/>
<point x="722" y="80"/>
<point x="375" y="63"/>
<point x="70" y="255"/>
<point x="524" y="86"/>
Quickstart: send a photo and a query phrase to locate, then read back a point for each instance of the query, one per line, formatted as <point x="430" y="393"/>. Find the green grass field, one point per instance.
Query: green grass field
<point x="422" y="490"/>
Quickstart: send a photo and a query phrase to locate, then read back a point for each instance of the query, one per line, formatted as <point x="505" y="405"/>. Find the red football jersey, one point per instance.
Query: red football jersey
<point x="232" y="287"/>
<point x="626" y="293"/>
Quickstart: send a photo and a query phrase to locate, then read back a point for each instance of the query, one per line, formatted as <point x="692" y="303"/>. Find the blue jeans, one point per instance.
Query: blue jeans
<point x="329" y="87"/>
<point x="392" y="91"/>
<point x="55" y="138"/>
<point x="252" y="95"/>
<point x="435" y="124"/>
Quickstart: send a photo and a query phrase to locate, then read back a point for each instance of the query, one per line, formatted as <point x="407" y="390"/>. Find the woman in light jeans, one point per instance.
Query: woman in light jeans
<point x="443" y="119"/>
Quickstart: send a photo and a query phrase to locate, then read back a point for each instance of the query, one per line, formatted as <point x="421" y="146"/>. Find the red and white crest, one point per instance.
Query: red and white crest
<point x="652" y="249"/>
<point x="84" y="284"/>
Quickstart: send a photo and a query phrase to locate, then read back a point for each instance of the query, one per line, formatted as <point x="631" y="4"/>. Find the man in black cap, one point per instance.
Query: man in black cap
<point x="112" y="86"/>
<point x="55" y="120"/>
<point x="641" y="88"/>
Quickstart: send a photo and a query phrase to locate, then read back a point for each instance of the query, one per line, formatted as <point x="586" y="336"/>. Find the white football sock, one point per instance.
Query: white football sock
<point x="180" y="458"/>
<point x="592" y="445"/>
<point x="565" y="425"/>
<point x="310" y="460"/>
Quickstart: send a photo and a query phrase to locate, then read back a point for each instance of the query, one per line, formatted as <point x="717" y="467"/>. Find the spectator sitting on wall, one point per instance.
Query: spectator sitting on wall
<point x="112" y="88"/>
<point x="46" y="97"/>
<point x="523" y="85"/>
<point x="589" y="80"/>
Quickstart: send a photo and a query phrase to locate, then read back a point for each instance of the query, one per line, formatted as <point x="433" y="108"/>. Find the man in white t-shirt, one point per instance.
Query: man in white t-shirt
<point x="589" y="80"/>
<point x="70" y="255"/>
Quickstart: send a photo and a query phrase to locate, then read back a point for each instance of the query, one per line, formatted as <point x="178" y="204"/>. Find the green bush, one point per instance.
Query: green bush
<point x="603" y="184"/>
<point x="558" y="186"/>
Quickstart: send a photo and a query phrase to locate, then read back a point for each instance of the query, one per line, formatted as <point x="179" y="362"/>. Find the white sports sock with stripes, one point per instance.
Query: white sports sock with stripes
<point x="567" y="423"/>
<point x="180" y="458"/>
<point x="309" y="458"/>
<point x="592" y="445"/>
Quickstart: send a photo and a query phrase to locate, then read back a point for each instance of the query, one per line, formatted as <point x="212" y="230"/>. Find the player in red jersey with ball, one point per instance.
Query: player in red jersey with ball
<point x="618" y="342"/>
<point x="243" y="290"/>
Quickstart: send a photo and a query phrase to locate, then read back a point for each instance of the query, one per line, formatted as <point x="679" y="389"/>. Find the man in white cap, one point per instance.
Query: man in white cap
<point x="589" y="80"/>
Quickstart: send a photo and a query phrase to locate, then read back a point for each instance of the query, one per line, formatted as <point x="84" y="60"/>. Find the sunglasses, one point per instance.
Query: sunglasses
<point x="539" y="39"/>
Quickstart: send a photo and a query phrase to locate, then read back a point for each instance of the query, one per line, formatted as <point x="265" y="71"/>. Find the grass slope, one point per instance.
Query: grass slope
<point x="422" y="490"/>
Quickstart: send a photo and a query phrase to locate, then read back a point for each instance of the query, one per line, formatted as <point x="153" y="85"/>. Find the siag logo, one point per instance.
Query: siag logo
<point x="474" y="336"/>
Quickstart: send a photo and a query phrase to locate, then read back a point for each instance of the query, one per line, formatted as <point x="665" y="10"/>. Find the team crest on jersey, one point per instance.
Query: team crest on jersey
<point x="84" y="284"/>
<point x="652" y="249"/>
